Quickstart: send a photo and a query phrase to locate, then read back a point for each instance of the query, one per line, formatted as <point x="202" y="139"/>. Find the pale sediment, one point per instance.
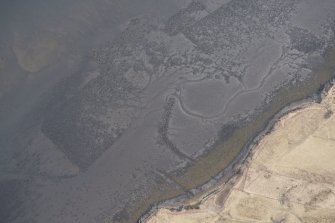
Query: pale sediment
<point x="288" y="177"/>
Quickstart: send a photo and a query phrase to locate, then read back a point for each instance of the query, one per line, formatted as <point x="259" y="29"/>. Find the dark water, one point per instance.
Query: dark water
<point x="107" y="107"/>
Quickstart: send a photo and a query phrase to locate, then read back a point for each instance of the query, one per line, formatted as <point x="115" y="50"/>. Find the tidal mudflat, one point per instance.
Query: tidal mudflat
<point x="109" y="108"/>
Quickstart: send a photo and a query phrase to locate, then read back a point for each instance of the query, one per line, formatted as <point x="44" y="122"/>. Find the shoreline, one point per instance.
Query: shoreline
<point x="219" y="164"/>
<point x="239" y="165"/>
<point x="233" y="170"/>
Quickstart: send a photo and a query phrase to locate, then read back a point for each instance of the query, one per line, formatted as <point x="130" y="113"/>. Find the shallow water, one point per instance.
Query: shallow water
<point x="110" y="106"/>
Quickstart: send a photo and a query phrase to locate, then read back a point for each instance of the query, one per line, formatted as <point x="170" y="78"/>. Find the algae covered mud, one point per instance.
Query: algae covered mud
<point x="288" y="177"/>
<point x="110" y="107"/>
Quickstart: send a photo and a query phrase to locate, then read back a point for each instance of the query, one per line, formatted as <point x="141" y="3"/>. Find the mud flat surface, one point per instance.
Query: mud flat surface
<point x="288" y="177"/>
<point x="108" y="108"/>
